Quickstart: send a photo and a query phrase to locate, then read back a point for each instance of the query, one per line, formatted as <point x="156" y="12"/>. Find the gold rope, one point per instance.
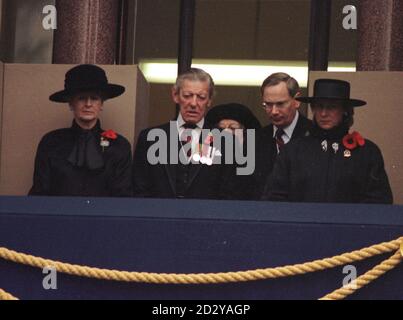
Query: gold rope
<point x="6" y="296"/>
<point x="366" y="278"/>
<point x="240" y="276"/>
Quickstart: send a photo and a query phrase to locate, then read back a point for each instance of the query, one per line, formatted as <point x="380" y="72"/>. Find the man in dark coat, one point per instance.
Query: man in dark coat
<point x="84" y="160"/>
<point x="279" y="93"/>
<point x="183" y="167"/>
<point x="331" y="164"/>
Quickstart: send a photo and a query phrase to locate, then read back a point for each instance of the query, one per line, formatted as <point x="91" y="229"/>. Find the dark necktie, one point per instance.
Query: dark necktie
<point x="189" y="126"/>
<point x="186" y="138"/>
<point x="279" y="138"/>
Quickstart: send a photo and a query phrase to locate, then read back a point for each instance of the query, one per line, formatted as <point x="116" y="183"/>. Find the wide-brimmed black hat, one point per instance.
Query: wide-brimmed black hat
<point x="87" y="77"/>
<point x="233" y="111"/>
<point x="334" y="90"/>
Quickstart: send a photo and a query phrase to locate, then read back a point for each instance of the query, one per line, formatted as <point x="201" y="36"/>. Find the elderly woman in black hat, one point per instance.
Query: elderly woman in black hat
<point x="331" y="164"/>
<point x="237" y="118"/>
<point x="232" y="117"/>
<point x="84" y="160"/>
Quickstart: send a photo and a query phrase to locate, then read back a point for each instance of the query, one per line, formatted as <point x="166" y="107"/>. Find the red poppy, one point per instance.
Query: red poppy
<point x="209" y="139"/>
<point x="360" y="140"/>
<point x="109" y="134"/>
<point x="352" y="140"/>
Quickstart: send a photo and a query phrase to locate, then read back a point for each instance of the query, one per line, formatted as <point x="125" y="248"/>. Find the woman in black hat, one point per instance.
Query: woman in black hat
<point x="232" y="116"/>
<point x="84" y="160"/>
<point x="331" y="164"/>
<point x="235" y="118"/>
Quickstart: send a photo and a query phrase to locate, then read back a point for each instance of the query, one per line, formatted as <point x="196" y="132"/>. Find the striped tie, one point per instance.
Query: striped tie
<point x="279" y="138"/>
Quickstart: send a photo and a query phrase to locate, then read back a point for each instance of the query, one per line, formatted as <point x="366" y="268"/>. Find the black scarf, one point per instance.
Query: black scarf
<point x="334" y="134"/>
<point x="86" y="152"/>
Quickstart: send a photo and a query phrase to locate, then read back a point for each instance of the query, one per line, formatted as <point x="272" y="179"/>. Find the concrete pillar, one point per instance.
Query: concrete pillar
<point x="380" y="35"/>
<point x="86" y="31"/>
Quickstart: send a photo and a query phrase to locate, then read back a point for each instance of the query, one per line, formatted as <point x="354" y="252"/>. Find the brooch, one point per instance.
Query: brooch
<point x="335" y="147"/>
<point x="324" y="145"/>
<point x="347" y="153"/>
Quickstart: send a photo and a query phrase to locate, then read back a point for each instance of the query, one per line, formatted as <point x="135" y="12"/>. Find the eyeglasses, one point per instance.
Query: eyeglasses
<point x="279" y="105"/>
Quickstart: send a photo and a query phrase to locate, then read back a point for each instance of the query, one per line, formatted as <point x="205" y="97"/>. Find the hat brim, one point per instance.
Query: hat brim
<point x="344" y="102"/>
<point x="108" y="92"/>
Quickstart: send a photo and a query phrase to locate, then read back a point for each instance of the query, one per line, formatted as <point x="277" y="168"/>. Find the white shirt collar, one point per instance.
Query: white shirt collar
<point x="195" y="132"/>
<point x="290" y="129"/>
<point x="181" y="122"/>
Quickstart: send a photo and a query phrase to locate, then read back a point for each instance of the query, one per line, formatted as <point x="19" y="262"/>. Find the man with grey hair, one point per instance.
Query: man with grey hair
<point x="279" y="92"/>
<point x="173" y="160"/>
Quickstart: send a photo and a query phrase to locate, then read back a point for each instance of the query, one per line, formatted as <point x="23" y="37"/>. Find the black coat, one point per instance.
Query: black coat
<point x="266" y="152"/>
<point x="305" y="172"/>
<point x="55" y="175"/>
<point x="217" y="181"/>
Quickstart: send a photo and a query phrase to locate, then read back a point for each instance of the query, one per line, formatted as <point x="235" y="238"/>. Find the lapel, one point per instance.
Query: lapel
<point x="195" y="168"/>
<point x="266" y="145"/>
<point x="299" y="130"/>
<point x="273" y="145"/>
<point x="170" y="169"/>
<point x="303" y="125"/>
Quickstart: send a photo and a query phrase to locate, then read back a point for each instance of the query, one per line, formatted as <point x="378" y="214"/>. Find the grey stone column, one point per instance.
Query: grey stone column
<point x="86" y="31"/>
<point x="380" y="35"/>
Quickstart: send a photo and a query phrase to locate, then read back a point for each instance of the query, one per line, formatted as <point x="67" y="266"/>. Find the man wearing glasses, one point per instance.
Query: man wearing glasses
<point x="279" y="93"/>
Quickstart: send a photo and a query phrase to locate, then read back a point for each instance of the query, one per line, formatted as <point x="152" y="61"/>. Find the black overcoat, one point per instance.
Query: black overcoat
<point x="54" y="175"/>
<point x="266" y="152"/>
<point x="311" y="170"/>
